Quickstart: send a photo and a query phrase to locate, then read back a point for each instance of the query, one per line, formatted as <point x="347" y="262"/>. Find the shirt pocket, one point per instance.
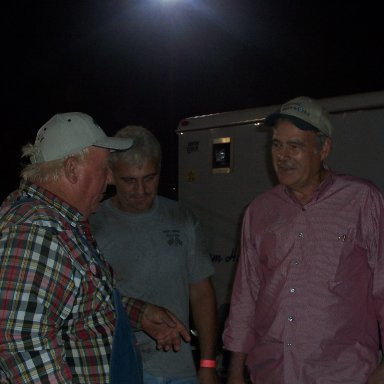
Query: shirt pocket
<point x="274" y="248"/>
<point x="352" y="274"/>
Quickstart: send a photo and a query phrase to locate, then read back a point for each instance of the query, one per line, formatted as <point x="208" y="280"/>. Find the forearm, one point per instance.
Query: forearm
<point x="204" y="313"/>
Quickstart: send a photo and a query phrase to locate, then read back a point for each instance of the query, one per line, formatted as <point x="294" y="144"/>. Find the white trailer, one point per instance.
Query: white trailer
<point x="224" y="163"/>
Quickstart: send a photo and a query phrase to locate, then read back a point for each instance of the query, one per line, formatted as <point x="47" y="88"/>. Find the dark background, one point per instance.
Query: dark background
<point x="154" y="62"/>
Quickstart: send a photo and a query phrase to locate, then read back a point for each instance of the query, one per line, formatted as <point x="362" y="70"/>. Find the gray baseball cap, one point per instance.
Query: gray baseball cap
<point x="305" y="113"/>
<point x="65" y="134"/>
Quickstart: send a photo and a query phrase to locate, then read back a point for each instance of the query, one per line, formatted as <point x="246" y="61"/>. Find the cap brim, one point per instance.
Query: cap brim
<point x="301" y="124"/>
<point x="116" y="143"/>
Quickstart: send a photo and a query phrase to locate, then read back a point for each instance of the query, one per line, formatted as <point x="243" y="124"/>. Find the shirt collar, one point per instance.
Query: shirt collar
<point x="36" y="192"/>
<point x="320" y="190"/>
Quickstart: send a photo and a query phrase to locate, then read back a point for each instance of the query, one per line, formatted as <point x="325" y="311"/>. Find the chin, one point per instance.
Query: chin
<point x="286" y="181"/>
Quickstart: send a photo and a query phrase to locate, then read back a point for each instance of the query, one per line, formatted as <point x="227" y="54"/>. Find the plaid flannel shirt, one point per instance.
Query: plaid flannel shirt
<point x="56" y="315"/>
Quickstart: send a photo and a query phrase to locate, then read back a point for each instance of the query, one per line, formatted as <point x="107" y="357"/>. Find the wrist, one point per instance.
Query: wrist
<point x="207" y="363"/>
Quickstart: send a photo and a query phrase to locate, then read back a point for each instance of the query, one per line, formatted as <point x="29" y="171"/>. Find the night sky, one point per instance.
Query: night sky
<point x="154" y="62"/>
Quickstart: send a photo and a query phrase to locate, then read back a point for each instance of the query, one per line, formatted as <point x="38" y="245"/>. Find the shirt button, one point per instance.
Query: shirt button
<point x="296" y="262"/>
<point x="301" y="235"/>
<point x="290" y="318"/>
<point x="292" y="290"/>
<point x="289" y="344"/>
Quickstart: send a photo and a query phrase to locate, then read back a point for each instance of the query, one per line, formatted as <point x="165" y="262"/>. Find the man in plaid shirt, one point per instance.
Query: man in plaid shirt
<point x="57" y="314"/>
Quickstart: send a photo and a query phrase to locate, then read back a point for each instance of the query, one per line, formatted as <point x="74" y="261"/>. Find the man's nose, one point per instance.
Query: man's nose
<point x="140" y="186"/>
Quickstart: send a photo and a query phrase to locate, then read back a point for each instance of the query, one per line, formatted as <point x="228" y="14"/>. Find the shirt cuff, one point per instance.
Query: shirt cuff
<point x="135" y="309"/>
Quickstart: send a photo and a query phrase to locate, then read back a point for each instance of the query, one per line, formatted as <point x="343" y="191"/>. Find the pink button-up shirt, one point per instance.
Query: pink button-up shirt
<point x="309" y="287"/>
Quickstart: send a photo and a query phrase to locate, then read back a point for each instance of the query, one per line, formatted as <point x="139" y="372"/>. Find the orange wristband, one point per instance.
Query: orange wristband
<point x="207" y="363"/>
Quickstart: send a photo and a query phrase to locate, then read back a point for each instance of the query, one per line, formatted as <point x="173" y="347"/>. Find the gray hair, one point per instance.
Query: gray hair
<point x="145" y="147"/>
<point x="47" y="171"/>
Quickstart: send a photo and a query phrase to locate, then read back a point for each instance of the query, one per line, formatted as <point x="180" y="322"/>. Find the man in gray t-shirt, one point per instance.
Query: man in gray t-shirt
<point x="156" y="249"/>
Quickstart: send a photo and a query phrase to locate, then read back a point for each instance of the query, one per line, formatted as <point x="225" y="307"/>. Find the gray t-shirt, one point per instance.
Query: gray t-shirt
<point x="155" y="256"/>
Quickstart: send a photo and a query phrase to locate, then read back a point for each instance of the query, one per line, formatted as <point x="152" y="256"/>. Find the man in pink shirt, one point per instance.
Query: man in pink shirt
<point x="308" y="298"/>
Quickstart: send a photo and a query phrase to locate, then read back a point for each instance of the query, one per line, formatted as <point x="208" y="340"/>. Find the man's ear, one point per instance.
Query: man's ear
<point x="110" y="177"/>
<point x="71" y="170"/>
<point x="326" y="148"/>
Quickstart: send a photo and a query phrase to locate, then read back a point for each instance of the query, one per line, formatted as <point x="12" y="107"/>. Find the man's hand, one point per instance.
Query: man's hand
<point x="377" y="376"/>
<point x="163" y="326"/>
<point x="236" y="368"/>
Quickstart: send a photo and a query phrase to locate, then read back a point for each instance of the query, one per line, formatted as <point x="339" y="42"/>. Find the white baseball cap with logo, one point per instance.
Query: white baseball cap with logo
<point x="65" y="134"/>
<point x="305" y="113"/>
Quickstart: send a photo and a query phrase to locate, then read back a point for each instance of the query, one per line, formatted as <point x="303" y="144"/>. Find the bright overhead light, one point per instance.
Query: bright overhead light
<point x="166" y="2"/>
